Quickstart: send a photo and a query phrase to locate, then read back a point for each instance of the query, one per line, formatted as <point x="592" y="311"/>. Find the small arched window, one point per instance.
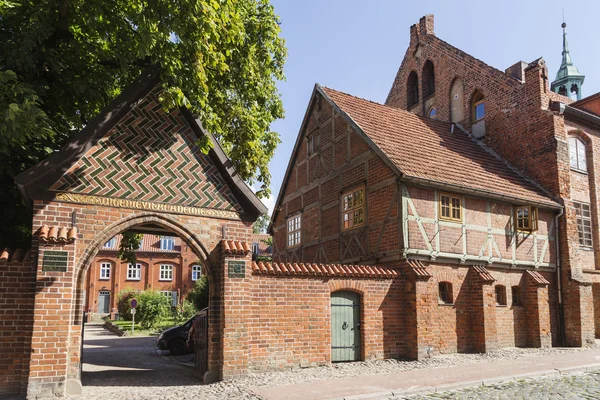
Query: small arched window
<point x="432" y="113"/>
<point x="412" y="90"/>
<point x="478" y="107"/>
<point x="500" y="295"/>
<point x="428" y="79"/>
<point x="445" y="293"/>
<point x="577" y="154"/>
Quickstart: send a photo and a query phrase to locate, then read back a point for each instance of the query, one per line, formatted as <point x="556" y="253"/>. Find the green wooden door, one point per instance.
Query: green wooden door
<point x="345" y="326"/>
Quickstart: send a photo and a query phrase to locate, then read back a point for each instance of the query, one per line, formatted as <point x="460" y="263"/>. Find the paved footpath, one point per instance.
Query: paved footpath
<point x="402" y="383"/>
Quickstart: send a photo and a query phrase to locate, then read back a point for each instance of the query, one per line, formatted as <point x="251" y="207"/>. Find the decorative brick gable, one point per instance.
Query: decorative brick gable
<point x="150" y="155"/>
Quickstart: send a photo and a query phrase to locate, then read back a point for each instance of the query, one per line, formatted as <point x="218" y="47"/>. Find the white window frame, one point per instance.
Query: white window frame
<point x="167" y="243"/>
<point x="166" y="272"/>
<point x="110" y="244"/>
<point x="254" y="248"/>
<point x="134" y="272"/>
<point x="294" y="230"/>
<point x="577" y="154"/>
<point x="105" y="270"/>
<point x="196" y="272"/>
<point x="584" y="223"/>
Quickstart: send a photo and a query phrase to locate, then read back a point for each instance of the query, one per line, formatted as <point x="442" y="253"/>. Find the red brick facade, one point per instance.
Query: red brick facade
<point x="181" y="260"/>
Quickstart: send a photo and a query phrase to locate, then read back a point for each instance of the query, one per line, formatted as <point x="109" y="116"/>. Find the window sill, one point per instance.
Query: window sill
<point x="586" y="248"/>
<point x="166" y="280"/>
<point x="456" y="221"/>
<point x="104" y="279"/>
<point x="580" y="171"/>
<point x="133" y="279"/>
<point x="353" y="227"/>
<point x="501" y="305"/>
<point x="445" y="304"/>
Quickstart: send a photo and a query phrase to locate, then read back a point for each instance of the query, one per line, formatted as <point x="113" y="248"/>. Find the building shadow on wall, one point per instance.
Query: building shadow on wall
<point x="464" y="308"/>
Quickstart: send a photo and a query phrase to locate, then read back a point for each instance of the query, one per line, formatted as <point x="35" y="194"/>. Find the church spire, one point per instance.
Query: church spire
<point x="568" y="79"/>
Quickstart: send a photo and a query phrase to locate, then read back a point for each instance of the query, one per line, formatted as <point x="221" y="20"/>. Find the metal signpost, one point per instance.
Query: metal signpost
<point x="133" y="303"/>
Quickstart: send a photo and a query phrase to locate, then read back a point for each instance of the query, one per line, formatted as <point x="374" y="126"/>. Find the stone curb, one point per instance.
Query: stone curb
<point x="421" y="390"/>
<point x="114" y="328"/>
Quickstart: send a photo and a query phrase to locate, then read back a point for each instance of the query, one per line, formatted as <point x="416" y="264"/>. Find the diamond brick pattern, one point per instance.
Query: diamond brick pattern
<point x="150" y="155"/>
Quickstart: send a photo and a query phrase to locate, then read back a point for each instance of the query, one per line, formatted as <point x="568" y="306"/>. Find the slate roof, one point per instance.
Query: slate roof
<point x="425" y="150"/>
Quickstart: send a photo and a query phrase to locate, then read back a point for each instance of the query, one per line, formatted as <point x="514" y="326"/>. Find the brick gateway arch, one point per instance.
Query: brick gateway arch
<point x="135" y="166"/>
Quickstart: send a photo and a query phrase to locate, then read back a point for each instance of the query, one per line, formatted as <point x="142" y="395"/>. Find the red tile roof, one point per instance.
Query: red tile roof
<point x="425" y="149"/>
<point x="484" y="274"/>
<point x="7" y="255"/>
<point x="419" y="269"/>
<point x="330" y="270"/>
<point x="538" y="278"/>
<point x="263" y="248"/>
<point x="150" y="244"/>
<point x="235" y="247"/>
<point x="56" y="234"/>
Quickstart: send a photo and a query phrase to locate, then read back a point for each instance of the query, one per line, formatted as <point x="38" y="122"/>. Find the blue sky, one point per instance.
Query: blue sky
<point x="357" y="46"/>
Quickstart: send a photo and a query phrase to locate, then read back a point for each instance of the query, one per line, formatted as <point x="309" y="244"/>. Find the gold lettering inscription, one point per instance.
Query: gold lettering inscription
<point x="145" y="205"/>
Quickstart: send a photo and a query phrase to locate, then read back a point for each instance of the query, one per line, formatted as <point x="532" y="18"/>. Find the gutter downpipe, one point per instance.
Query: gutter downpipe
<point x="561" y="314"/>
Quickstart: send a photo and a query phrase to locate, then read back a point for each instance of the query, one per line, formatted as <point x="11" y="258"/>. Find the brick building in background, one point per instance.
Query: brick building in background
<point x="475" y="186"/>
<point x="164" y="263"/>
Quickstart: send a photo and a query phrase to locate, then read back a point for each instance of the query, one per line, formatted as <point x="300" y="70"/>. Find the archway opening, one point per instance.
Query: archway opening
<point x="172" y="285"/>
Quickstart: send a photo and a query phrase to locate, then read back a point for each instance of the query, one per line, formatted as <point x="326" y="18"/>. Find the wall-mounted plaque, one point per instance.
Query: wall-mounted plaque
<point x="55" y="260"/>
<point x="237" y="269"/>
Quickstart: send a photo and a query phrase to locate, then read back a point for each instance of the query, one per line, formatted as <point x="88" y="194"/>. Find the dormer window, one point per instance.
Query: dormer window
<point x="110" y="244"/>
<point x="526" y="218"/>
<point x="577" y="154"/>
<point x="478" y="108"/>
<point x="167" y="243"/>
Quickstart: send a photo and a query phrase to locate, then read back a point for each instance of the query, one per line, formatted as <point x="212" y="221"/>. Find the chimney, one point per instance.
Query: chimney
<point x="517" y="71"/>
<point x="426" y="25"/>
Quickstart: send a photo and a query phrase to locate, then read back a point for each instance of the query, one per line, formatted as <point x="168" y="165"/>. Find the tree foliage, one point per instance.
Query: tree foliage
<point x="130" y="243"/>
<point x="199" y="294"/>
<point x="61" y="61"/>
<point x="261" y="224"/>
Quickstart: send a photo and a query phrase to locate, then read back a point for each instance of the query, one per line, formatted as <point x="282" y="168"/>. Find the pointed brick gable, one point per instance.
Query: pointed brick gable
<point x="150" y="155"/>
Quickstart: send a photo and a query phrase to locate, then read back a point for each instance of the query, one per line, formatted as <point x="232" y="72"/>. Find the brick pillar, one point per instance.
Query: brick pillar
<point x="235" y="310"/>
<point x="52" y="326"/>
<point x="538" y="312"/>
<point x="578" y="304"/>
<point x="483" y="312"/>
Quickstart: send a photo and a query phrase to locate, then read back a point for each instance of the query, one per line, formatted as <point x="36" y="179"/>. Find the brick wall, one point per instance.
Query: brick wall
<point x="17" y="290"/>
<point x="290" y="320"/>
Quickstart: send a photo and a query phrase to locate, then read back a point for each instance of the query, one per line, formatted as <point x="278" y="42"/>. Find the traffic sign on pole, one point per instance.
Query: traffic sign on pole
<point x="133" y="303"/>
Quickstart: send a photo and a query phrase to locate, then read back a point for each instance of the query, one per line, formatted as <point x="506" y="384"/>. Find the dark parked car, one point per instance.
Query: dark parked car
<point x="174" y="339"/>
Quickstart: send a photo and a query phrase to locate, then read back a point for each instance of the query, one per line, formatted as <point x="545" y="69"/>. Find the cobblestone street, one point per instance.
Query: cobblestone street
<point x="571" y="386"/>
<point x="132" y="368"/>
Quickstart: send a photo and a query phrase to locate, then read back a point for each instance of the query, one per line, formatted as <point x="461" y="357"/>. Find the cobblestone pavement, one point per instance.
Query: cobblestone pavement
<point x="572" y="386"/>
<point x="132" y="368"/>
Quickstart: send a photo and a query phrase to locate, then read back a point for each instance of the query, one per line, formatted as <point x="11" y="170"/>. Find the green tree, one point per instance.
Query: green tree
<point x="199" y="294"/>
<point x="261" y="224"/>
<point x="61" y="61"/>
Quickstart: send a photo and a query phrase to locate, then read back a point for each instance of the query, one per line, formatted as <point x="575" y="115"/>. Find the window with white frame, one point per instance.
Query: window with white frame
<point x="134" y="272"/>
<point x="584" y="223"/>
<point x="254" y="248"/>
<point x="171" y="296"/>
<point x="105" y="270"/>
<point x="294" y="230"/>
<point x="167" y="242"/>
<point x="166" y="272"/>
<point x="577" y="154"/>
<point x="196" y="272"/>
<point x="110" y="244"/>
